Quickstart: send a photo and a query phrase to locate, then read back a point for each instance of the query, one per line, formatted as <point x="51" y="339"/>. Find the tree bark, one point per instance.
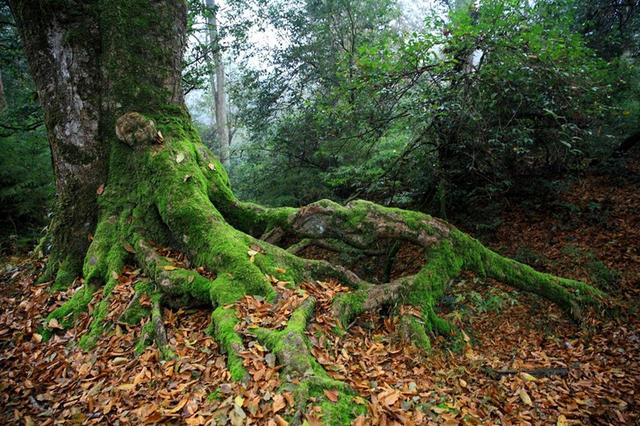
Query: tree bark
<point x="217" y="81"/>
<point x="87" y="71"/>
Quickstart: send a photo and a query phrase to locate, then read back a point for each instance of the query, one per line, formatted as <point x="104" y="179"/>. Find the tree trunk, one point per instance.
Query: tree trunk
<point x="108" y="74"/>
<point x="92" y="61"/>
<point x="217" y="82"/>
<point x="3" y="101"/>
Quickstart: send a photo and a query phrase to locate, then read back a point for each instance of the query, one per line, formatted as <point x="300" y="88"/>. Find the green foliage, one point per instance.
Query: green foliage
<point x="26" y="178"/>
<point x="495" y="300"/>
<point x="601" y="275"/>
<point x="469" y="108"/>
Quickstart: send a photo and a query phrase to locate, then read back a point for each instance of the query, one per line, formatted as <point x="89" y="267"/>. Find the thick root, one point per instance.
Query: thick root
<point x="223" y="329"/>
<point x="159" y="331"/>
<point x="300" y="367"/>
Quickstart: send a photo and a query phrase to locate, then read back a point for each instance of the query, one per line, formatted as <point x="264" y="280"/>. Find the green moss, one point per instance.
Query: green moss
<point x="114" y="264"/>
<point x="67" y="313"/>
<point x="223" y="329"/>
<point x="341" y="412"/>
<point x="415" y="331"/>
<point x="66" y="274"/>
<point x="349" y="305"/>
<point x="216" y="395"/>
<point x="156" y="318"/>
<point x="146" y="338"/>
<point x="568" y="294"/>
<point x="135" y="312"/>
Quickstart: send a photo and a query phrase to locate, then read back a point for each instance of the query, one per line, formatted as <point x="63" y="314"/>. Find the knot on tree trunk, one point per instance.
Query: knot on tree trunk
<point x="134" y="129"/>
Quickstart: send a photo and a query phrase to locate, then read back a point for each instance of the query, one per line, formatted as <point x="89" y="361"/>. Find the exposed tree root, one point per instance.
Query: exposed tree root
<point x="177" y="194"/>
<point x="301" y="368"/>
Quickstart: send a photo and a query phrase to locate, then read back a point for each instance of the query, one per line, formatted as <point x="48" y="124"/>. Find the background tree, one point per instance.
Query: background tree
<point x="217" y="83"/>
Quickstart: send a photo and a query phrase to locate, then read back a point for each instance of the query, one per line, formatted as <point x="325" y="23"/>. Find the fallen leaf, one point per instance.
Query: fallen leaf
<point x="179" y="158"/>
<point x="169" y="268"/>
<point x="127" y="387"/>
<point x="359" y="421"/>
<point x="100" y="189"/>
<point x="524" y="396"/>
<point x="53" y="324"/>
<point x="388" y="397"/>
<point x="332" y="395"/>
<point x="238" y="400"/>
<point x="278" y="403"/>
<point x="280" y="421"/>
<point x="562" y="421"/>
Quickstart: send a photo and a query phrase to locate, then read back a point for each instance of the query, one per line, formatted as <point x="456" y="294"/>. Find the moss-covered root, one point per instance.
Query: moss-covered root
<point x="300" y="367"/>
<point x="412" y="329"/>
<point x="159" y="332"/>
<point x="367" y="297"/>
<point x="103" y="263"/>
<point x="569" y="294"/>
<point x="223" y="328"/>
<point x="66" y="314"/>
<point x="179" y="287"/>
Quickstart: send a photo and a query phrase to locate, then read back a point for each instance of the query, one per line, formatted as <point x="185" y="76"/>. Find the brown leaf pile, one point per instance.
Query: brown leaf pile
<point x="56" y="383"/>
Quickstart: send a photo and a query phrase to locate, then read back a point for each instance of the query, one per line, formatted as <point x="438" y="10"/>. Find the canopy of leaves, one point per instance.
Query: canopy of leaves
<point x="26" y="178"/>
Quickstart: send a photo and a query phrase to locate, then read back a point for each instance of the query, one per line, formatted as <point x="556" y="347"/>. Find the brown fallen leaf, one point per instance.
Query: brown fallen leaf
<point x="332" y="395"/>
<point x="388" y="397"/>
<point x="178" y="406"/>
<point x="127" y="387"/>
<point x="278" y="403"/>
<point x="53" y="324"/>
<point x="280" y="421"/>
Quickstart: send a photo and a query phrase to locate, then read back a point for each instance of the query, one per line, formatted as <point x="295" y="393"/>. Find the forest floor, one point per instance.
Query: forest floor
<point x="591" y="373"/>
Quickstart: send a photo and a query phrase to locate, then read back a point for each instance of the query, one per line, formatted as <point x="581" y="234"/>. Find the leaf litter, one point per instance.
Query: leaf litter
<point x="57" y="383"/>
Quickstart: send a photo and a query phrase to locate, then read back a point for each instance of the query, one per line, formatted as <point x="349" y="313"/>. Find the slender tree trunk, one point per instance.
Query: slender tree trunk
<point x="217" y="81"/>
<point x="87" y="71"/>
<point x="3" y="101"/>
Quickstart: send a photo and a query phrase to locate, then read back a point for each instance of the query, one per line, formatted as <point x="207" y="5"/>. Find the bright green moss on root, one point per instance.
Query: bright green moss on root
<point x="146" y="338"/>
<point x="67" y="273"/>
<point x="568" y="294"/>
<point x="67" y="313"/>
<point x="114" y="264"/>
<point x="223" y="329"/>
<point x="349" y="305"/>
<point x="135" y="312"/>
<point x="98" y="322"/>
<point x="341" y="412"/>
<point x="414" y="330"/>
